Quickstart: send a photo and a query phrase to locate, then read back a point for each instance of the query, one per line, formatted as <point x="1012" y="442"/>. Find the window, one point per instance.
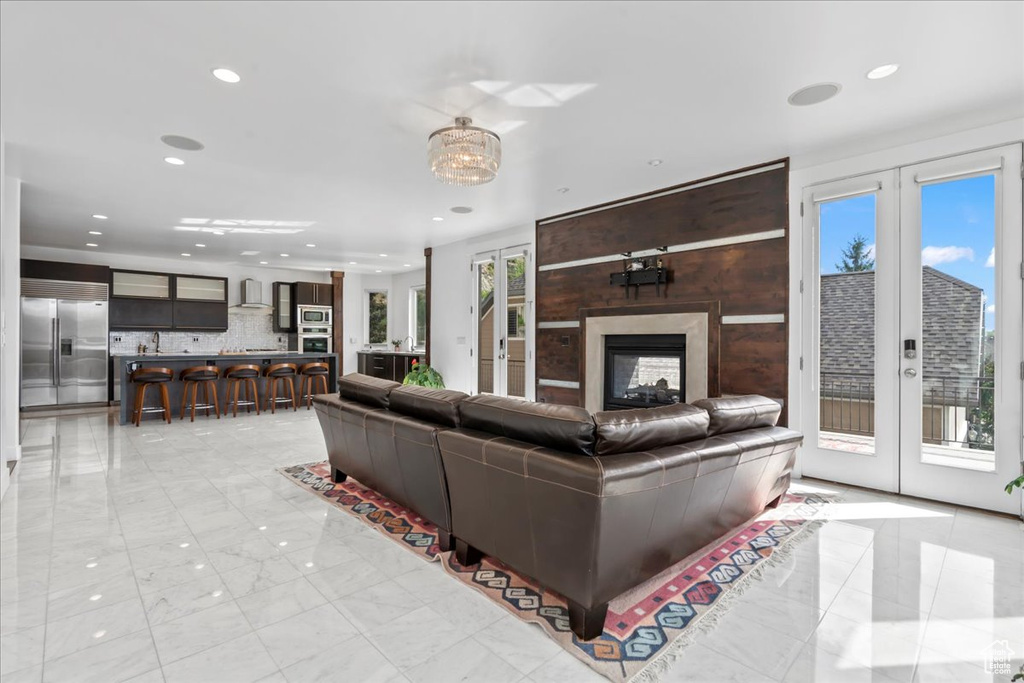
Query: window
<point x="516" y="322"/>
<point x="418" y="315"/>
<point x="376" y="316"/>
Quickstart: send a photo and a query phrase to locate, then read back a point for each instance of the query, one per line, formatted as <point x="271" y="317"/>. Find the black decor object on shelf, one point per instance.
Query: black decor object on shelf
<point x="641" y="271"/>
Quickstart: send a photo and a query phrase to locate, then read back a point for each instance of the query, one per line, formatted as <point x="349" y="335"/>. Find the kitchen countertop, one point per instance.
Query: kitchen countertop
<point x="179" y="355"/>
<point x="392" y="353"/>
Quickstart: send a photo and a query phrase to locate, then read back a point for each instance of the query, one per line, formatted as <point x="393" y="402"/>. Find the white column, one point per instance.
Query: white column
<point x="10" y="317"/>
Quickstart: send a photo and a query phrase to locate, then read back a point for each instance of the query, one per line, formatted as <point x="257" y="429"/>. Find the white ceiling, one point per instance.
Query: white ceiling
<point x="330" y="121"/>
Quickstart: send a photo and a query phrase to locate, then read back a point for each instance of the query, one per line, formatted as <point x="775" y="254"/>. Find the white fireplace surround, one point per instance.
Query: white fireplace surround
<point x="693" y="325"/>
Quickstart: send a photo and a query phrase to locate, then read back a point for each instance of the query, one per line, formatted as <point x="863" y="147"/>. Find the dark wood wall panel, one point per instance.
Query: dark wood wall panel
<point x="755" y="203"/>
<point x="748" y="278"/>
<point x="555" y="359"/>
<point x="559" y="395"/>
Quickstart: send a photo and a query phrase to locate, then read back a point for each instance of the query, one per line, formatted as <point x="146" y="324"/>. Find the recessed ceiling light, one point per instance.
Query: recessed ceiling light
<point x="462" y="209"/>
<point x="95" y="232"/>
<point x="407" y="265"/>
<point x="437" y="219"/>
<point x="200" y="245"/>
<point x="814" y="94"/>
<point x="91" y="244"/>
<point x="174" y="161"/>
<point x="218" y="233"/>
<point x="284" y="255"/>
<point x="181" y="142"/>
<point x="310" y="245"/>
<point x="99" y="216"/>
<point x="562" y="190"/>
<point x="353" y="263"/>
<point x="655" y="162"/>
<point x="883" y="71"/>
<point x="376" y="271"/>
<point x="184" y="254"/>
<point x="263" y="263"/>
<point x="383" y="255"/>
<point x="226" y="75"/>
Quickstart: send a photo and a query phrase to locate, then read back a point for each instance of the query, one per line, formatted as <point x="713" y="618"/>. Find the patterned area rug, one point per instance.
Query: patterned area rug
<point x="646" y="628"/>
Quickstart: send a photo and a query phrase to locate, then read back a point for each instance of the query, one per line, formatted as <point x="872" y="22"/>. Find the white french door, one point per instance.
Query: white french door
<point x="915" y="306"/>
<point x="502" y="321"/>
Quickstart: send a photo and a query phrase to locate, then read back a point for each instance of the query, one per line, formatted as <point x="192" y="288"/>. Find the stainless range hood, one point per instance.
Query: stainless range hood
<point x="252" y="294"/>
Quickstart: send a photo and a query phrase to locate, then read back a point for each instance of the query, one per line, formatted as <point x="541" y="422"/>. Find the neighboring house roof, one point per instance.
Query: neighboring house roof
<point x="516" y="287"/>
<point x="953" y="326"/>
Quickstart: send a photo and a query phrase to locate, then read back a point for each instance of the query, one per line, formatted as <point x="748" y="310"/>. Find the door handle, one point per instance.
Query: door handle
<point x="55" y="329"/>
<point x="910" y="372"/>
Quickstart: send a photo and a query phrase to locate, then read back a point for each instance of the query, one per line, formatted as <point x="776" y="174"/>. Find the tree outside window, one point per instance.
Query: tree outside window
<point x="377" y="310"/>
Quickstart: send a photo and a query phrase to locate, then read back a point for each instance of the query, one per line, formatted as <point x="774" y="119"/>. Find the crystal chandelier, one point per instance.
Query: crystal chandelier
<point x="464" y="154"/>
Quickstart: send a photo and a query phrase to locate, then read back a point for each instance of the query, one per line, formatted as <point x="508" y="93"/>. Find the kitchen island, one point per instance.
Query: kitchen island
<point x="124" y="365"/>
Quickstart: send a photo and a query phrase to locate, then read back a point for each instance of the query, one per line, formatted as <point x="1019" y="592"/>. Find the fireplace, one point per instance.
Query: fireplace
<point x="644" y="370"/>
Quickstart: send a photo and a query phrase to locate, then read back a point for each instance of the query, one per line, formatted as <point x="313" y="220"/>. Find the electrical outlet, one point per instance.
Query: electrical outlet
<point x="195" y="339"/>
<point x="117" y="338"/>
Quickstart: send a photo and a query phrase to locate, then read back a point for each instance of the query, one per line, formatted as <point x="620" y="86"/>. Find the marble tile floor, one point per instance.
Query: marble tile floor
<point x="178" y="553"/>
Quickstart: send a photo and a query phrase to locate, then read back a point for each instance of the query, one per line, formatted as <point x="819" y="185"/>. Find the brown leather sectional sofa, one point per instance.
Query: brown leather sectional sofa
<point x="587" y="505"/>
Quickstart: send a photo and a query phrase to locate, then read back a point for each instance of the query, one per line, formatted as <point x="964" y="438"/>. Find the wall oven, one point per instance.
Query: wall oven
<point x="310" y="343"/>
<point x="313" y="315"/>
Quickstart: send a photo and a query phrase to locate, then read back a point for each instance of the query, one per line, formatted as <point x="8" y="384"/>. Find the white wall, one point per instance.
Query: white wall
<point x="822" y="167"/>
<point x="10" y="316"/>
<point x="451" y="324"/>
<point x="354" y="310"/>
<point x="234" y="272"/>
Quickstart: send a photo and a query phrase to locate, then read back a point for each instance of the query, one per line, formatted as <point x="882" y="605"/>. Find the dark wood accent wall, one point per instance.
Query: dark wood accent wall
<point x="427" y="253"/>
<point x="338" y="333"/>
<point x="740" y="279"/>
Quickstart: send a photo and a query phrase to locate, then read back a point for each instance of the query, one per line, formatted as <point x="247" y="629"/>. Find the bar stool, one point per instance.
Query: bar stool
<point x="200" y="375"/>
<point x="145" y="377"/>
<point x="312" y="373"/>
<point x="280" y="372"/>
<point x="237" y="377"/>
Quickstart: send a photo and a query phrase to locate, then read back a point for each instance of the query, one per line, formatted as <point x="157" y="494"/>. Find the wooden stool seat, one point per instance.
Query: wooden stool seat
<point x="237" y="377"/>
<point x="280" y="372"/>
<point x="145" y="377"/>
<point x="312" y="374"/>
<point x="194" y="377"/>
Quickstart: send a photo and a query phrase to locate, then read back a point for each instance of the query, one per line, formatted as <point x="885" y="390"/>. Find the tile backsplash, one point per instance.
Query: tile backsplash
<point x="247" y="329"/>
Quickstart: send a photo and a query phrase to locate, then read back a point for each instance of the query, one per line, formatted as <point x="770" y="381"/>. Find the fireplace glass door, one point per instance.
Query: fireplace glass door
<point x="644" y="371"/>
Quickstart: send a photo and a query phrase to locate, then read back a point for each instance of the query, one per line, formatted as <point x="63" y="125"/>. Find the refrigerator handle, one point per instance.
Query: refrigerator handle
<point x="56" y="352"/>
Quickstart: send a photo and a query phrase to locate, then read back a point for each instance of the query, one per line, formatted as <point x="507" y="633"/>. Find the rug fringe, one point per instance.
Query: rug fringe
<point x="660" y="665"/>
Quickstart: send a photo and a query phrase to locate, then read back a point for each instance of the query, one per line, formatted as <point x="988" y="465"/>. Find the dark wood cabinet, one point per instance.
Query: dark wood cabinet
<point x="392" y="366"/>
<point x="314" y="294"/>
<point x="164" y="301"/>
<point x="200" y="315"/>
<point x="284" y="307"/>
<point x="140" y="314"/>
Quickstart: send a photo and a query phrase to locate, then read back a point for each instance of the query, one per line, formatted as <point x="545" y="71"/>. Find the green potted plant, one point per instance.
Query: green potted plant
<point x="397" y="343"/>
<point x="422" y="375"/>
<point x="1016" y="483"/>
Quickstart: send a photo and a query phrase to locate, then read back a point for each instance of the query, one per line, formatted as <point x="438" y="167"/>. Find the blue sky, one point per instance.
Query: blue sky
<point x="958" y="231"/>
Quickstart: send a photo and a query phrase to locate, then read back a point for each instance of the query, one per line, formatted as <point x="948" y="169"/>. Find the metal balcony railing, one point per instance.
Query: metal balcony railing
<point x="957" y="411"/>
<point x="516" y="377"/>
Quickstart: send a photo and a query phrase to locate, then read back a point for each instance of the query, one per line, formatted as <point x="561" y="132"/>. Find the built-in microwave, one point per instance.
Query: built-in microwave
<point x="314" y="315"/>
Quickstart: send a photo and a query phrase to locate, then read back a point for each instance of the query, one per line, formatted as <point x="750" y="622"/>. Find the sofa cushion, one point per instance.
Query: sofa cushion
<point x="563" y="428"/>
<point x="440" y="406"/>
<point x="625" y="431"/>
<point x="735" y="413"/>
<point x="371" y="391"/>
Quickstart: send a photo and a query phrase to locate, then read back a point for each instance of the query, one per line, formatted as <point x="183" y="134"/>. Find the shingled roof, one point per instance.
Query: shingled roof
<point x="953" y="325"/>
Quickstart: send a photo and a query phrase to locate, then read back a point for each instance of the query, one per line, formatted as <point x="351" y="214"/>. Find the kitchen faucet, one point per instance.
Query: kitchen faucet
<point x="412" y="342"/>
<point x="156" y="340"/>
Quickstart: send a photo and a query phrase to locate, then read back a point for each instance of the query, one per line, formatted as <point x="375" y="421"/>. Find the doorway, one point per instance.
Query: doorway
<point x="914" y="303"/>
<point x="503" y="321"/>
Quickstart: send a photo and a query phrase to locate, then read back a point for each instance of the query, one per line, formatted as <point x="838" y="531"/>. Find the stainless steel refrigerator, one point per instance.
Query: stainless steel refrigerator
<point x="64" y="357"/>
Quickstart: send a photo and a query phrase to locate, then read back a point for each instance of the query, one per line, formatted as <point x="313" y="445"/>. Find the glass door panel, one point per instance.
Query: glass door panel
<point x="846" y="324"/>
<point x="512" y="342"/>
<point x="960" y="302"/>
<point x="851" y="423"/>
<point x="484" y="308"/>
